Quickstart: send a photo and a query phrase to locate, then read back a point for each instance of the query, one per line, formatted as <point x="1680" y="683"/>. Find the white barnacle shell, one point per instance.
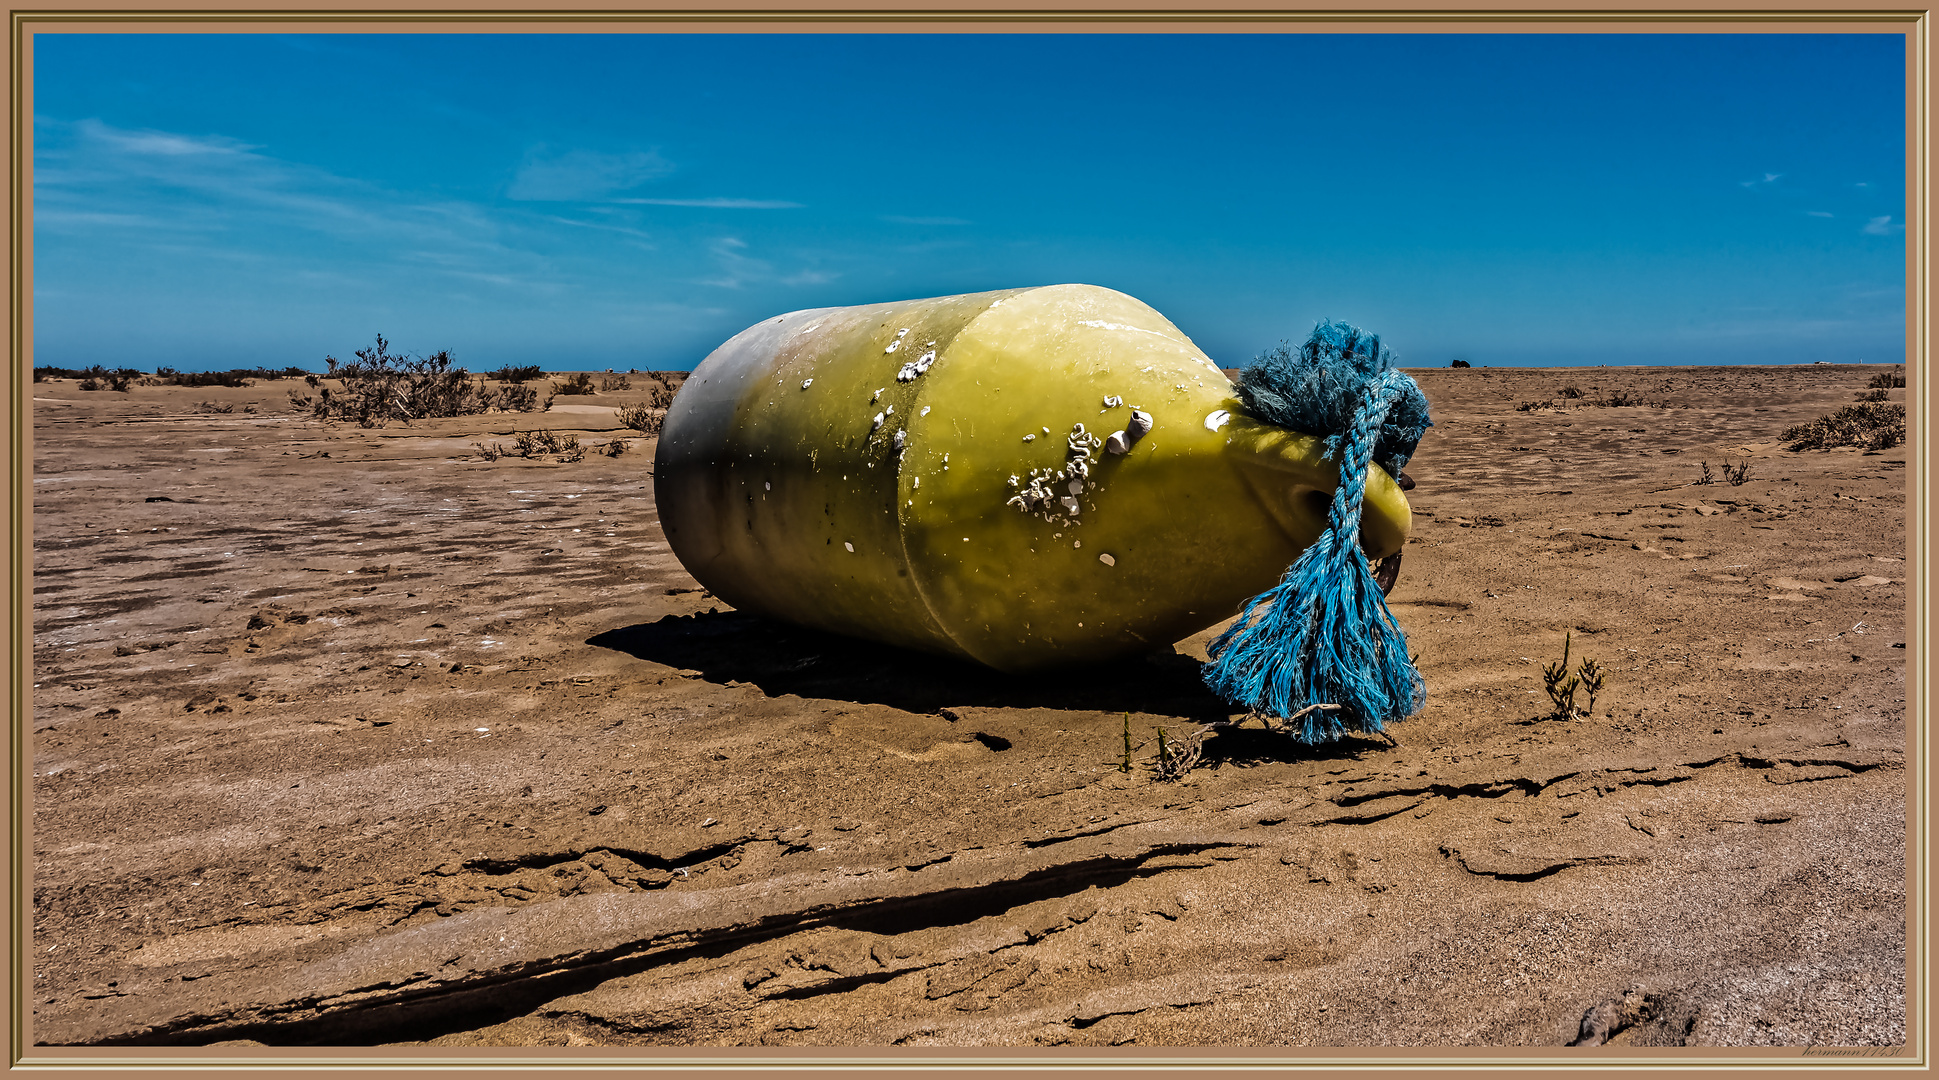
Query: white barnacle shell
<point x="877" y="424"/>
<point x="1216" y="419"/>
<point x="924" y="412"/>
<point x="900" y="435"/>
<point x="915" y="481"/>
<point x="1118" y="443"/>
<point x="890" y="410"/>
<point x="1107" y="560"/>
<point x="893" y="345"/>
<point x="1139" y="425"/>
<point x="926" y="359"/>
<point x="806" y="383"/>
<point x="1030" y="437"/>
<point x="902" y="333"/>
<point x="877" y="396"/>
<point x="907" y="373"/>
<point x="849" y="546"/>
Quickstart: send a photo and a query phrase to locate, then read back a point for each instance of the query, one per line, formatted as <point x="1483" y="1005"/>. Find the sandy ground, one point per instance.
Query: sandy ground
<point x="349" y="736"/>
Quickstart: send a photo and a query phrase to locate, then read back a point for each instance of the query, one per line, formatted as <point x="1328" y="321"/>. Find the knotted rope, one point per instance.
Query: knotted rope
<point x="1321" y="647"/>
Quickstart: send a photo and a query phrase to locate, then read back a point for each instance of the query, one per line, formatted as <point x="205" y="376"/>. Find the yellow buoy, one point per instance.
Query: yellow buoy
<point x="1023" y="478"/>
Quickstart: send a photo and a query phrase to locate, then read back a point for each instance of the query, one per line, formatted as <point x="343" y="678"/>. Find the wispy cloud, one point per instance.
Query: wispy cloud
<point x="716" y="204"/>
<point x="1881" y="226"/>
<point x="898" y="219"/>
<point x="600" y="225"/>
<point x="1769" y="178"/>
<point x="219" y="199"/>
<point x="737" y="269"/>
<point x="1818" y="213"/>
<point x="582" y="175"/>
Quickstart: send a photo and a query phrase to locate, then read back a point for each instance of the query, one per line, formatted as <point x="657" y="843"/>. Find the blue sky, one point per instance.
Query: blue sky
<point x="594" y="201"/>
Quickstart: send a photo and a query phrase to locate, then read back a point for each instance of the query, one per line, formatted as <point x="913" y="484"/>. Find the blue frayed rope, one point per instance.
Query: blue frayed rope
<point x="1321" y="647"/>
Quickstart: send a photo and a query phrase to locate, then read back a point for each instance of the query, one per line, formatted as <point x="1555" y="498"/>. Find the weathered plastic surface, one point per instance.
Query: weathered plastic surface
<point x="784" y="495"/>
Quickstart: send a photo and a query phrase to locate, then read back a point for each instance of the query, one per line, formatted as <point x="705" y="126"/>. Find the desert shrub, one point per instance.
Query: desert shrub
<point x="579" y="383"/>
<point x="215" y="406"/>
<point x="644" y="419"/>
<point x="1534" y="406"/>
<point x="100" y="378"/>
<point x="1886" y="380"/>
<point x="610" y="381"/>
<point x="614" y="448"/>
<point x="489" y="453"/>
<point x="1570" y="392"/>
<point x="231" y="379"/>
<point x="530" y="444"/>
<point x="380" y="386"/>
<point x="523" y="373"/>
<point x="1871" y="426"/>
<point x="1874" y="395"/>
<point x="518" y="398"/>
<point x="1617" y="399"/>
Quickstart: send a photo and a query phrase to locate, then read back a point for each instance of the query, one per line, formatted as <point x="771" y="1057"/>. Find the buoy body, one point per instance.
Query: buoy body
<point x="935" y="474"/>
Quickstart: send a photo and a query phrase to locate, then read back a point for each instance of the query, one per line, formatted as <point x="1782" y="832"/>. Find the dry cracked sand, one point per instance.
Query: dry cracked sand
<point x="350" y="736"/>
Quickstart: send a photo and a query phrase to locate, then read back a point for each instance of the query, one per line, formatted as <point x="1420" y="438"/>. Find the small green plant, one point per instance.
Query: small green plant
<point x="1872" y="425"/>
<point x="1886" y="380"/>
<point x="1124" y="763"/>
<point x="579" y="383"/>
<point x="1562" y="684"/>
<point x="1591" y="675"/>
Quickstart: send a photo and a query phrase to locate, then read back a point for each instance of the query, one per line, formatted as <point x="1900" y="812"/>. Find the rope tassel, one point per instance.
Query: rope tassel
<point x="1321" y="648"/>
